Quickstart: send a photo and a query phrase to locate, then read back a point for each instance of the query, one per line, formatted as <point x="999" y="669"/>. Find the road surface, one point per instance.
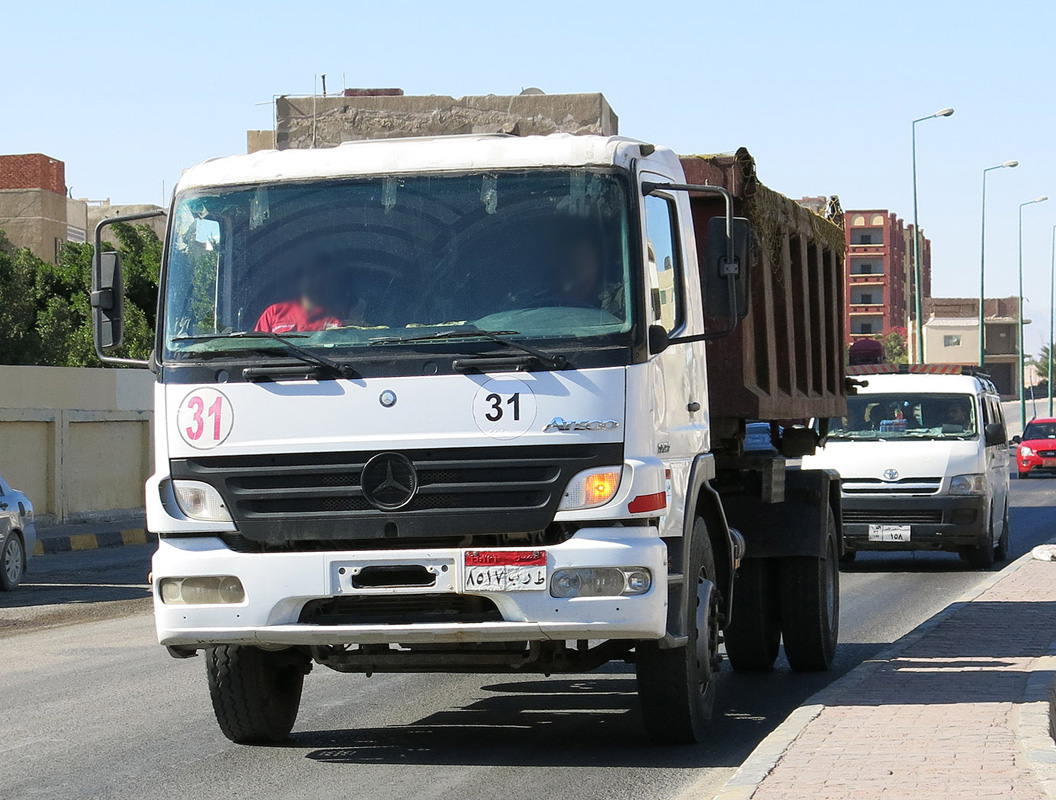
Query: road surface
<point x="93" y="708"/>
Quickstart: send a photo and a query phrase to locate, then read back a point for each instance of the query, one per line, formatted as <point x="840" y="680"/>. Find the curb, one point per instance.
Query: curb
<point x="749" y="777"/>
<point x="91" y="541"/>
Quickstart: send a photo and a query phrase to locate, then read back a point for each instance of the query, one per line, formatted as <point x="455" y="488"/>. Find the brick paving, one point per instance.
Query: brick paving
<point x="939" y="720"/>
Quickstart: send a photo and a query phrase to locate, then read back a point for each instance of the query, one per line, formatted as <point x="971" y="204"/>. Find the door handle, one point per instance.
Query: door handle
<point x="693" y="407"/>
<point x="3" y="506"/>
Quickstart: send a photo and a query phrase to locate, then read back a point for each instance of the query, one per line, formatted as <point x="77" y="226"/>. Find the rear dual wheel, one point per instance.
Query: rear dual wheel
<point x="677" y="686"/>
<point x="810" y="605"/>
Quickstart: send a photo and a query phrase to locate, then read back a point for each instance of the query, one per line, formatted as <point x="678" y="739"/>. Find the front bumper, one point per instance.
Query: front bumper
<point x="936" y="523"/>
<point x="1034" y="463"/>
<point x="278" y="585"/>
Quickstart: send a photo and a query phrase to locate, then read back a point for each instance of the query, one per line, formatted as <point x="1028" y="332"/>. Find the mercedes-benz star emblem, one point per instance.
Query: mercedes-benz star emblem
<point x="389" y="481"/>
<point x="890" y="474"/>
<point x="387" y="398"/>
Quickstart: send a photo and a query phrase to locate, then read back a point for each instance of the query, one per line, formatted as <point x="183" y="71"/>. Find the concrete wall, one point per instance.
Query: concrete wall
<point x="304" y="122"/>
<point x="77" y="441"/>
<point x="34" y="218"/>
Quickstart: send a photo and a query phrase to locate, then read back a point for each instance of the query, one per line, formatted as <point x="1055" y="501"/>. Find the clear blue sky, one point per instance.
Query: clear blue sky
<point x="128" y="94"/>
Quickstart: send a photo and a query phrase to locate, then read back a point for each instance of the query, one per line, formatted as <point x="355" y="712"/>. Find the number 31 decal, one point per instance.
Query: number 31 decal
<point x="504" y="408"/>
<point x="205" y="418"/>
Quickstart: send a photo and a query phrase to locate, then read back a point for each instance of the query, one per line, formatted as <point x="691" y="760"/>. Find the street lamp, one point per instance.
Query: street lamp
<point x="1022" y="359"/>
<point x="1052" y="313"/>
<point x="982" y="263"/>
<point x="917" y="302"/>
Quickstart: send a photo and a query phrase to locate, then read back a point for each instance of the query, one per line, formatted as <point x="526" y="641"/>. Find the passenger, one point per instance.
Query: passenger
<point x="309" y="312"/>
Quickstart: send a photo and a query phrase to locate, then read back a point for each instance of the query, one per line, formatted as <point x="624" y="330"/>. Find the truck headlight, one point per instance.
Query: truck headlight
<point x="968" y="484"/>
<point x="600" y="582"/>
<point x="202" y="591"/>
<point x="591" y="488"/>
<point x="200" y="501"/>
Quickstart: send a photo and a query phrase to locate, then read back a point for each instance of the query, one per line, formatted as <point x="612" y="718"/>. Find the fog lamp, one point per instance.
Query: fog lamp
<point x="202" y="591"/>
<point x="600" y="582"/>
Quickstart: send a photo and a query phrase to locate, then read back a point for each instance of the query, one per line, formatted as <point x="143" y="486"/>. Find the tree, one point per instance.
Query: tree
<point x="1041" y="363"/>
<point x="45" y="311"/>
<point x="895" y="347"/>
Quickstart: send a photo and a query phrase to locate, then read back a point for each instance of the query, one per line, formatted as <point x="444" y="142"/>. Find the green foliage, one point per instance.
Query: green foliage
<point x="1042" y="363"/>
<point x="895" y="348"/>
<point x="44" y="308"/>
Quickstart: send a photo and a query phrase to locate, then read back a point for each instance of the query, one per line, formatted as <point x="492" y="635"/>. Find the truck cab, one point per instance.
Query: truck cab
<point x="924" y="461"/>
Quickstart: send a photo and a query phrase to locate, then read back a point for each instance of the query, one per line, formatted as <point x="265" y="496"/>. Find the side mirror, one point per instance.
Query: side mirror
<point x="725" y="282"/>
<point x="994" y="434"/>
<point x="1017" y="439"/>
<point x="108" y="300"/>
<point x="658" y="339"/>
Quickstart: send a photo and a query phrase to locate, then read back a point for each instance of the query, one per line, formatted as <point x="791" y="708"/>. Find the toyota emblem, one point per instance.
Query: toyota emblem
<point x="389" y="481"/>
<point x="890" y="474"/>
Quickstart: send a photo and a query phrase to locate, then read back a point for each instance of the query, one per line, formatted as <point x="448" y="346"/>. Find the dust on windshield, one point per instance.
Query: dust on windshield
<point x="906" y="416"/>
<point x="528" y="254"/>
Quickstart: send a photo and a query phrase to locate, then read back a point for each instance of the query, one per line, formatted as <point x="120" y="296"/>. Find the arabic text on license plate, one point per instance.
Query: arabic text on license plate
<point x="889" y="533"/>
<point x="1048" y="463"/>
<point x="504" y="571"/>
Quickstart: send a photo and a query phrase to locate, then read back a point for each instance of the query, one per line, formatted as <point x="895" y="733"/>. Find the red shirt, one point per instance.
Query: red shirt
<point x="287" y="317"/>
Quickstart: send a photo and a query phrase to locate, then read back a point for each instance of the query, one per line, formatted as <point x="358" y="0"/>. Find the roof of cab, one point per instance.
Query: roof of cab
<point x="465" y="153"/>
<point x="925" y="383"/>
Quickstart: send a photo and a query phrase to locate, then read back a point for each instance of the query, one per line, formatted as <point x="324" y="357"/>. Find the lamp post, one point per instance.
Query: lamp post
<point x="1052" y="314"/>
<point x="1022" y="355"/>
<point x="917" y="302"/>
<point x="982" y="264"/>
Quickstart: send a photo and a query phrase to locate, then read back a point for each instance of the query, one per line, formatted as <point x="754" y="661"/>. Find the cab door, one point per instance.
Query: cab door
<point x="998" y="459"/>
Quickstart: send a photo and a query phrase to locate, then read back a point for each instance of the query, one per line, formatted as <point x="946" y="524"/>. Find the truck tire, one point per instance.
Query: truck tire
<point x="255" y="693"/>
<point x="1004" y="544"/>
<point x="810" y="605"/>
<point x="677" y="686"/>
<point x="753" y="636"/>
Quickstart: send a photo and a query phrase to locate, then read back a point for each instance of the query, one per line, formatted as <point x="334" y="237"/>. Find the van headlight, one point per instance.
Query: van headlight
<point x="968" y="484"/>
<point x="591" y="488"/>
<point x="200" y="501"/>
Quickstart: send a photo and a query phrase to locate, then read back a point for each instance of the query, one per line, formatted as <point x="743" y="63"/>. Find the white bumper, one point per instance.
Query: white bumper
<point x="278" y="585"/>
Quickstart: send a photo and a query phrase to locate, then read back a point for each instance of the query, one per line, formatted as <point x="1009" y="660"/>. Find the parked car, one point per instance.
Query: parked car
<point x="18" y="535"/>
<point x="924" y="461"/>
<point x="1037" y="448"/>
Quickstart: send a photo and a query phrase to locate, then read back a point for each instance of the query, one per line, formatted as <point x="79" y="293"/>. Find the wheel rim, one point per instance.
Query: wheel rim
<point x="707" y="644"/>
<point x="13" y="559"/>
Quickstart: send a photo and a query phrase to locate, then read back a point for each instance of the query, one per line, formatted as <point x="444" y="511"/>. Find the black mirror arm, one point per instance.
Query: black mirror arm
<point x="105" y="298"/>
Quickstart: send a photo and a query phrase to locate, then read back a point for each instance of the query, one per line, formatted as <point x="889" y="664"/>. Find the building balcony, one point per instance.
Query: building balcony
<point x="866" y="249"/>
<point x="872" y="309"/>
<point x="867" y="278"/>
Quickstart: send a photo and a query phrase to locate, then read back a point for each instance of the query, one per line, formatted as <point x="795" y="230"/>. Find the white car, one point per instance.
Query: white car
<point x="18" y="535"/>
<point x="924" y="465"/>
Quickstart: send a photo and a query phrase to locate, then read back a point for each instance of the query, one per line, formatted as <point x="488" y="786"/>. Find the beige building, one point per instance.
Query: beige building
<point x="325" y="121"/>
<point x="951" y="336"/>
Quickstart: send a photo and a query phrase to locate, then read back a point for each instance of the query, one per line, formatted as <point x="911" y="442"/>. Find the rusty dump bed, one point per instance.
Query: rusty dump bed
<point x="785" y="360"/>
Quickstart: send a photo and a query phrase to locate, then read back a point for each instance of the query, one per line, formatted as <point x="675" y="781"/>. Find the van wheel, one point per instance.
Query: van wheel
<point x="677" y="686"/>
<point x="981" y="556"/>
<point x="255" y="693"/>
<point x="1004" y="544"/>
<point x="753" y="636"/>
<point x="810" y="605"/>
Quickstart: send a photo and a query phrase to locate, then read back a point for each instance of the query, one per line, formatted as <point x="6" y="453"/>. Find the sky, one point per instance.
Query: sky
<point x="822" y="94"/>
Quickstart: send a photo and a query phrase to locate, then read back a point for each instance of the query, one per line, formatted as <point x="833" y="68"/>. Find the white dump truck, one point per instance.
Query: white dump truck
<point x="477" y="404"/>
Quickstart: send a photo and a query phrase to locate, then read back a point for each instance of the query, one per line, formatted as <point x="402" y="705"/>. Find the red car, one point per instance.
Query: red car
<point x="1037" y="448"/>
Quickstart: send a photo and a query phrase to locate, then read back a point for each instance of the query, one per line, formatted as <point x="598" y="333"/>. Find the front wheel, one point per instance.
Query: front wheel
<point x="255" y="693"/>
<point x="981" y="556"/>
<point x="677" y="686"/>
<point x="810" y="605"/>
<point x="12" y="561"/>
<point x="1004" y="544"/>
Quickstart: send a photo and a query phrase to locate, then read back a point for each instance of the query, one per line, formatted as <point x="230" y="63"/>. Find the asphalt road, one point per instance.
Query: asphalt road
<point x="91" y="707"/>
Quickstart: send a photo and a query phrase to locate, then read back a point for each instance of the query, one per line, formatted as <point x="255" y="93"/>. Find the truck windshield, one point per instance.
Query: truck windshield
<point x="906" y="416"/>
<point x="540" y="255"/>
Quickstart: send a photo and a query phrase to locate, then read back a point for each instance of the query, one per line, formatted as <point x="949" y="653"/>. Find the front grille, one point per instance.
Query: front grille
<point x="908" y="517"/>
<point x="1047" y="453"/>
<point x="865" y="486"/>
<point x="400" y="609"/>
<point x="460" y="491"/>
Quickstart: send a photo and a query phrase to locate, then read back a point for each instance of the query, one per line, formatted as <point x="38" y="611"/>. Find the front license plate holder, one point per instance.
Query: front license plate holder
<point x="504" y="571"/>
<point x="890" y="533"/>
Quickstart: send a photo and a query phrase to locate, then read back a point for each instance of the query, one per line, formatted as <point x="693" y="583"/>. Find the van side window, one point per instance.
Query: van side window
<point x="665" y="262"/>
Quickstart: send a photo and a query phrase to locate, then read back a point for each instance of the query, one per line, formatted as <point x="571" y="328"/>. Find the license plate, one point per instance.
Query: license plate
<point x="504" y="571"/>
<point x="1048" y="463"/>
<point x="889" y="533"/>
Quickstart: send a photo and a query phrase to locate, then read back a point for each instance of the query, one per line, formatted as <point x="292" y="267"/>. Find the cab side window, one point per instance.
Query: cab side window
<point x="663" y="270"/>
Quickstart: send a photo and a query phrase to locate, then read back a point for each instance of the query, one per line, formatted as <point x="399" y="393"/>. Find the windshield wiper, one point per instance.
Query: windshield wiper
<point x="499" y="337"/>
<point x="292" y="348"/>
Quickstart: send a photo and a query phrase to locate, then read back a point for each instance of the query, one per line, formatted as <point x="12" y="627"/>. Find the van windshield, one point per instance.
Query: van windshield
<point x="906" y="416"/>
<point x="533" y="255"/>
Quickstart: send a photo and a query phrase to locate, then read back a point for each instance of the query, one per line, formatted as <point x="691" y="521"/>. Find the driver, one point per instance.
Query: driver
<point x="957" y="415"/>
<point x="309" y="312"/>
<point x="580" y="278"/>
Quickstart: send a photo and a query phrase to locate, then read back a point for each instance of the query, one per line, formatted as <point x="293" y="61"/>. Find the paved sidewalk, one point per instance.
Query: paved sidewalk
<point x="957" y="709"/>
<point x="127" y="530"/>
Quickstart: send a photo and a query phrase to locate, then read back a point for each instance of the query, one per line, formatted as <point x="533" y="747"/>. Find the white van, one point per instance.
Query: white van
<point x="924" y="461"/>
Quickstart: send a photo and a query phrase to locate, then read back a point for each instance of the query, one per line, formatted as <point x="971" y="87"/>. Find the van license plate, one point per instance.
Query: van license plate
<point x="504" y="571"/>
<point x="889" y="533"/>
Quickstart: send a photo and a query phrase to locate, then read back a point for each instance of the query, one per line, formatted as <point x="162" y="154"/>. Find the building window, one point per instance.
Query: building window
<point x="859" y="219"/>
<point x="866" y="269"/>
<point x="951" y="340"/>
<point x="878" y="219"/>
<point x="866" y="300"/>
<point x="865" y="238"/>
<point x="865" y="327"/>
